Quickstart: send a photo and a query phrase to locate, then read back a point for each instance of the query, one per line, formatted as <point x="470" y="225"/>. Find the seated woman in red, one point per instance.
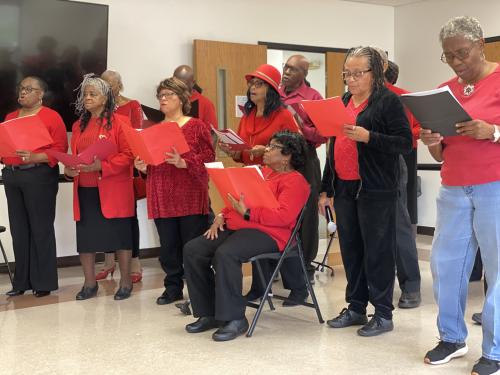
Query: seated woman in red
<point x="240" y="233"/>
<point x="103" y="194"/>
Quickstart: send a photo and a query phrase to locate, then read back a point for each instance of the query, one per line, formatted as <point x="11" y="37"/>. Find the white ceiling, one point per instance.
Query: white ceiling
<point x="394" y="3"/>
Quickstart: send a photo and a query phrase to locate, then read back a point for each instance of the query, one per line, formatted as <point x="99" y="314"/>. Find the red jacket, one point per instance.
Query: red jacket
<point x="116" y="191"/>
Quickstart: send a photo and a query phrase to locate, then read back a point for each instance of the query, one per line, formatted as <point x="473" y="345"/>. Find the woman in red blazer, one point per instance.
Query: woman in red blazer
<point x="103" y="195"/>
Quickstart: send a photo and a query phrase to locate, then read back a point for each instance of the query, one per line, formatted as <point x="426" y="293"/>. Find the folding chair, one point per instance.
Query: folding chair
<point x="293" y="248"/>
<point x="6" y="261"/>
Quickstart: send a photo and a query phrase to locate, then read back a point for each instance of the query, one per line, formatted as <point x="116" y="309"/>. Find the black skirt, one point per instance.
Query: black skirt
<point x="94" y="232"/>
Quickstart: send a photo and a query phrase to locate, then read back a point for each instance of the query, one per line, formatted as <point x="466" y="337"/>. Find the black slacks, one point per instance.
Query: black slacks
<point x="31" y="200"/>
<point x="174" y="233"/>
<point x="407" y="269"/>
<point x="367" y="236"/>
<point x="411" y="185"/>
<point x="217" y="291"/>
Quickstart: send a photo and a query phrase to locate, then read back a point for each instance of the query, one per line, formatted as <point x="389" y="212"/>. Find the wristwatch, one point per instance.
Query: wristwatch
<point x="496" y="134"/>
<point x="246" y="215"/>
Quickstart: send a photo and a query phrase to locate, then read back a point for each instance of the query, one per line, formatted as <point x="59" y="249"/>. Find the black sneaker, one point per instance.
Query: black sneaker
<point x="409" y="300"/>
<point x="477" y="318"/>
<point x="486" y="366"/>
<point x="444" y="352"/>
<point x="347" y="318"/>
<point x="376" y="326"/>
<point x="167" y="298"/>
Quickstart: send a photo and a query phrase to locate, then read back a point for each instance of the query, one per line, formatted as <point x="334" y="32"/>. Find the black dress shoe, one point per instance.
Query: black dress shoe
<point x="347" y="318"/>
<point x="376" y="326"/>
<point x="296" y="297"/>
<point x="41" y="293"/>
<point x="203" y="324"/>
<point x="167" y="298"/>
<point x="231" y="330"/>
<point x="409" y="300"/>
<point x="87" y="292"/>
<point x="123" y="293"/>
<point x="14" y="293"/>
<point x="253" y="295"/>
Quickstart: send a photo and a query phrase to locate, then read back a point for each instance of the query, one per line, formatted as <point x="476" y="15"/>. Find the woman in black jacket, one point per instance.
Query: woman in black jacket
<point x="362" y="174"/>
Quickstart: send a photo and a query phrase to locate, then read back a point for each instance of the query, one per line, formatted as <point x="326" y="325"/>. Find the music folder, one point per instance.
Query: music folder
<point x="102" y="149"/>
<point x="23" y="133"/>
<point x="231" y="139"/>
<point x="152" y="143"/>
<point x="242" y="180"/>
<point x="328" y="115"/>
<point x="437" y="110"/>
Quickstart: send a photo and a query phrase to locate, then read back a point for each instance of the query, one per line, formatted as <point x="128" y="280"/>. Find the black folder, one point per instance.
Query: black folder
<point x="152" y="114"/>
<point x="437" y="110"/>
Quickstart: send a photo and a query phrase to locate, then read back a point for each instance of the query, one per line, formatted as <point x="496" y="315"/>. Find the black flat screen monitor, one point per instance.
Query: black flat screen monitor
<point x="57" y="40"/>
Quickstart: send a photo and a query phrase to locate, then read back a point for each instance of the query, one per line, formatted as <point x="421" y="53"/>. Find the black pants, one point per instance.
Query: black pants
<point x="31" y="199"/>
<point x="367" y="235"/>
<point x="408" y="271"/>
<point x="174" y="233"/>
<point x="219" y="293"/>
<point x="411" y="185"/>
<point x="309" y="230"/>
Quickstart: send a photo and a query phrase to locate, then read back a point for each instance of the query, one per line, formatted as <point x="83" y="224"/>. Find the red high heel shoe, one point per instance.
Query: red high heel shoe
<point x="136" y="276"/>
<point x="103" y="274"/>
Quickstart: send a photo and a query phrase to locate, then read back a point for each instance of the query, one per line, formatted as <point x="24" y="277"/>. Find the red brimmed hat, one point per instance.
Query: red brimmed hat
<point x="267" y="73"/>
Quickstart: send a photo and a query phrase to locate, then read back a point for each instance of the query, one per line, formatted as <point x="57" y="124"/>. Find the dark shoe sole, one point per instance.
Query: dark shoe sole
<point x="408" y="304"/>
<point x="162" y="301"/>
<point x="332" y="324"/>
<point x="207" y="327"/>
<point x="374" y="333"/>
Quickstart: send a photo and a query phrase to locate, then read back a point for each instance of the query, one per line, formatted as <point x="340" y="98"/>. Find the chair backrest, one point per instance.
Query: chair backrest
<point x="294" y="236"/>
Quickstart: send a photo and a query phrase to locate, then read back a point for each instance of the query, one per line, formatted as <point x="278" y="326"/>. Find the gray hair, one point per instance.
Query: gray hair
<point x="382" y="53"/>
<point x="465" y="26"/>
<point x="90" y="80"/>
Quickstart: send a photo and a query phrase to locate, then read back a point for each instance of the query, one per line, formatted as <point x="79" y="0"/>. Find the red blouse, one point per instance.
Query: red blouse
<point x="133" y="111"/>
<point x="172" y="191"/>
<point x="291" y="191"/>
<point x="259" y="130"/>
<point x="89" y="136"/>
<point x="57" y="130"/>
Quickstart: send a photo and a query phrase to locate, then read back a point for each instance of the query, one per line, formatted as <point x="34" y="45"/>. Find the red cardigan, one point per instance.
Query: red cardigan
<point x="291" y="191"/>
<point x="116" y="191"/>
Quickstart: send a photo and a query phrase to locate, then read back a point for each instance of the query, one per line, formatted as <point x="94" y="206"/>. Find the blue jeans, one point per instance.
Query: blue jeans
<point x="467" y="217"/>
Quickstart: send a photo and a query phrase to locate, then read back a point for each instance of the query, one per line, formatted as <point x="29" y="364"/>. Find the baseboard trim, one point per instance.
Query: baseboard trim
<point x="428" y="231"/>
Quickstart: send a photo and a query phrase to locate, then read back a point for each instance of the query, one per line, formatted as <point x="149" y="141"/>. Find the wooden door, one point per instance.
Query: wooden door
<point x="492" y="51"/>
<point x="220" y="69"/>
<point x="334" y="67"/>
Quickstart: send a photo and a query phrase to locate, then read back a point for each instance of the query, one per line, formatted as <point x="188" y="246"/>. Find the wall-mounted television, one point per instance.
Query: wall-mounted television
<point x="57" y="40"/>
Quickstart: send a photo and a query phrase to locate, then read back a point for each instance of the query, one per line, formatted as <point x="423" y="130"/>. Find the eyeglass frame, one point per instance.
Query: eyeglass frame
<point x="355" y="75"/>
<point x="454" y="55"/>
<point x="27" y="89"/>
<point x="274" y="146"/>
<point x="168" y="95"/>
<point x="255" y="82"/>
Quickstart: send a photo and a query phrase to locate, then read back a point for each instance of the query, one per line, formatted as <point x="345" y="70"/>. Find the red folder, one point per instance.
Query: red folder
<point x="248" y="181"/>
<point x="23" y="133"/>
<point x="152" y="143"/>
<point x="328" y="115"/>
<point x="102" y="149"/>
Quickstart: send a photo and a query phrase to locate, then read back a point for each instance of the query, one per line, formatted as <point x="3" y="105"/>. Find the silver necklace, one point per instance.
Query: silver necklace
<point x="468" y="89"/>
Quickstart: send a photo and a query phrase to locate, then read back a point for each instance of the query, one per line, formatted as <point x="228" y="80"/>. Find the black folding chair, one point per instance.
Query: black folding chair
<point x="6" y="261"/>
<point x="293" y="248"/>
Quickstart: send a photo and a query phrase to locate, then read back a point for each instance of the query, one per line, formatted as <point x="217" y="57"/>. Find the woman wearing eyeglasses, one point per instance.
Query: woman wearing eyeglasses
<point x="177" y="190"/>
<point x="31" y="185"/>
<point x="469" y="198"/>
<point x="265" y="114"/>
<point x="239" y="233"/>
<point x="362" y="175"/>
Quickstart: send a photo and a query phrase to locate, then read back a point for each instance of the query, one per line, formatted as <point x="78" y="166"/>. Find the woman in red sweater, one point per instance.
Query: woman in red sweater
<point x="103" y="194"/>
<point x="31" y="185"/>
<point x="177" y="190"/>
<point x="131" y="109"/>
<point x="240" y="233"/>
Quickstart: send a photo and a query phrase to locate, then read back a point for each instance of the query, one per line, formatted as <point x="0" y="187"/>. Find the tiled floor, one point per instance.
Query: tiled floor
<point x="57" y="335"/>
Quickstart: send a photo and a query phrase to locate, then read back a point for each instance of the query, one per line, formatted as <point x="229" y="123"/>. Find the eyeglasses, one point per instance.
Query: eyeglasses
<point x="255" y="82"/>
<point x="354" y="75"/>
<point x="272" y="146"/>
<point x="165" y="95"/>
<point x="27" y="89"/>
<point x="461" y="54"/>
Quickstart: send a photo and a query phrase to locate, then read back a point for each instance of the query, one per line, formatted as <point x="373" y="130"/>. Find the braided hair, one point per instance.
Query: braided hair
<point x="375" y="64"/>
<point x="103" y="87"/>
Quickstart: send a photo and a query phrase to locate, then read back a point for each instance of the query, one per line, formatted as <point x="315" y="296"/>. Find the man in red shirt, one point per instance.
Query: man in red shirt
<point x="293" y="90"/>
<point x="201" y="106"/>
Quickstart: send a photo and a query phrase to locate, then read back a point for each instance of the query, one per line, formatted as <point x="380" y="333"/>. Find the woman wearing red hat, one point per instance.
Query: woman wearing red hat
<point x="264" y="115"/>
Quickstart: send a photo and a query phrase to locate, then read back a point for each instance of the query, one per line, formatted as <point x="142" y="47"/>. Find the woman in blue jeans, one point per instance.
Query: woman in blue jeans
<point x="468" y="204"/>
